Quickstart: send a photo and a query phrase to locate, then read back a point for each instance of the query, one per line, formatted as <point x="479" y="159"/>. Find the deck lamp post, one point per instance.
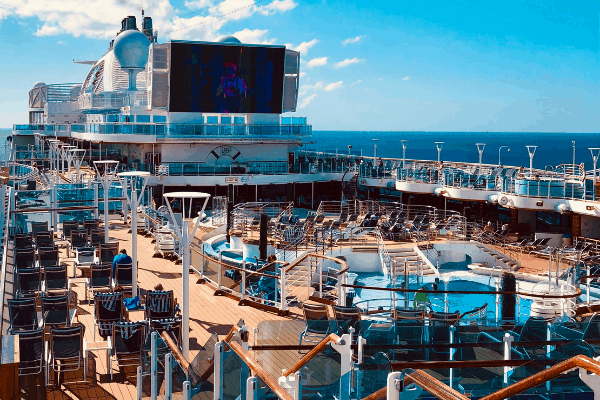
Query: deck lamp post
<point x="573" y="144"/>
<point x="53" y="150"/>
<point x="531" y="150"/>
<point x="135" y="179"/>
<point x="374" y="150"/>
<point x="480" y="148"/>
<point x="439" y="146"/>
<point x="595" y="153"/>
<point x="110" y="171"/>
<point x="77" y="156"/>
<point x="185" y="240"/>
<point x="403" y="152"/>
<point x="499" y="150"/>
<point x="68" y="156"/>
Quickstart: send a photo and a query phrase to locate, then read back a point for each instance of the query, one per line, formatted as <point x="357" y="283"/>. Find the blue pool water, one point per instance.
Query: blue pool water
<point x="374" y="299"/>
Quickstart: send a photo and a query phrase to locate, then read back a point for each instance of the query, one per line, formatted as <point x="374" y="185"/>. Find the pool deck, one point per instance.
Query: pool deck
<point x="209" y="314"/>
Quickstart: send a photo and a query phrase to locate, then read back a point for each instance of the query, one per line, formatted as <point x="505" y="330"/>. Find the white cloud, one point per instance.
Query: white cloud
<point x="334" y="86"/>
<point x="406" y="78"/>
<point x="317" y="62"/>
<point x="355" y="82"/>
<point x="102" y="18"/>
<point x="351" y="40"/>
<point x="253" y="36"/>
<point x="307" y="100"/>
<point x="277" y="5"/>
<point x="302" y="74"/>
<point x="306" y="88"/>
<point x="304" y="46"/>
<point x="60" y="42"/>
<point x="347" y="61"/>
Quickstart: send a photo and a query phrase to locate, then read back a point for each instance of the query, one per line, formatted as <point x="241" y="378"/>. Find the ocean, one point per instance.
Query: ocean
<point x="553" y="148"/>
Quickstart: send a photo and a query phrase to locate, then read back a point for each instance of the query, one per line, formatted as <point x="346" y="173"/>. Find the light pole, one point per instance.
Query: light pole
<point x="374" y="150"/>
<point x="110" y="171"/>
<point x="134" y="177"/>
<point x="531" y="150"/>
<point x="480" y="148"/>
<point x="595" y="153"/>
<point x="185" y="240"/>
<point x="403" y="152"/>
<point x="501" y="147"/>
<point x="573" y="143"/>
<point x="77" y="156"/>
<point x="439" y="146"/>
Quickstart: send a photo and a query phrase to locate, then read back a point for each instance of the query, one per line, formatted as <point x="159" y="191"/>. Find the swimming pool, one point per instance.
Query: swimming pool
<point x="374" y="299"/>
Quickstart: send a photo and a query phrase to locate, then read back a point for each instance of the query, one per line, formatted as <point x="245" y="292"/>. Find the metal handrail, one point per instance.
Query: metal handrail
<point x="260" y="372"/>
<point x="311" y="354"/>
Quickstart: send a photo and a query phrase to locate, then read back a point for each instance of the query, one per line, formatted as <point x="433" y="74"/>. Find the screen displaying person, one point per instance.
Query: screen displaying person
<point x="231" y="90"/>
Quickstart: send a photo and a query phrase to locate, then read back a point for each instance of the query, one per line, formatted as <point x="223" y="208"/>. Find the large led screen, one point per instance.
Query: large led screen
<point x="220" y="78"/>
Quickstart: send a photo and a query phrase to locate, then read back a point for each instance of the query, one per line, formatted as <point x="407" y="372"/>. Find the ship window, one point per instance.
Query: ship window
<point x="112" y="118"/>
<point x="212" y="120"/>
<point x="226" y="120"/>
<point x="126" y="118"/>
<point x="142" y="118"/>
<point x="286" y="120"/>
<point x="239" y="120"/>
<point x="159" y="119"/>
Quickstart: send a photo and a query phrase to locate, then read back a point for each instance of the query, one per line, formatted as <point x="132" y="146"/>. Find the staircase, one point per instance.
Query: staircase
<point x="413" y="261"/>
<point x="500" y="256"/>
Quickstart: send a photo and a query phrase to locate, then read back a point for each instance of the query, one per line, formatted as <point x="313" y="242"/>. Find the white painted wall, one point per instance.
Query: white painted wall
<point x="357" y="262"/>
<point x="455" y="252"/>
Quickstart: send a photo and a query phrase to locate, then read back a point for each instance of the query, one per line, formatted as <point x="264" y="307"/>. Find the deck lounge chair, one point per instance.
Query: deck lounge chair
<point x="89" y="225"/>
<point x="96" y="237"/>
<point x="22" y="315"/>
<point x="67" y="227"/>
<point x="108" y="310"/>
<point x="317" y="323"/>
<point x="66" y="351"/>
<point x="24" y="258"/>
<point x="47" y="256"/>
<point x="127" y="346"/>
<point x="29" y="282"/>
<point x="44" y="239"/>
<point x="37" y="227"/>
<point x="78" y="239"/>
<point x="159" y="305"/>
<point x="346" y="318"/>
<point x="31" y="352"/>
<point x="55" y="311"/>
<point x="124" y="276"/>
<point x="23" y="241"/>
<point x="55" y="279"/>
<point x="100" y="279"/>
<point x="108" y="251"/>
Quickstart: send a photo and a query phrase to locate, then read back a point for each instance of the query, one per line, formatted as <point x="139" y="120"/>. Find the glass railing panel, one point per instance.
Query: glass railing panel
<point x="235" y="373"/>
<point x="321" y="376"/>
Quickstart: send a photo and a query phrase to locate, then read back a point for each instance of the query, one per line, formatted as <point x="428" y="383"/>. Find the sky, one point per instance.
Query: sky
<point x="522" y="66"/>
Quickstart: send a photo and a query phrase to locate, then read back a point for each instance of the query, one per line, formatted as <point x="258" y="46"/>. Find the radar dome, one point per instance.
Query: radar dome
<point x="229" y="39"/>
<point x="39" y="84"/>
<point x="131" y="49"/>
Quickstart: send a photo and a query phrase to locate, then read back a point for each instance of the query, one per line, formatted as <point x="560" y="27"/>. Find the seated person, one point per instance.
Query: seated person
<point x="121" y="258"/>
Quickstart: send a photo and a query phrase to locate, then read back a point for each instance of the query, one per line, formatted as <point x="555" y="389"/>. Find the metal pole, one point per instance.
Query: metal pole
<point x="105" y="196"/>
<point x="153" y="366"/>
<point x="403" y="152"/>
<point x="134" y="201"/>
<point x="185" y="309"/>
<point x="573" y="143"/>
<point x="168" y="377"/>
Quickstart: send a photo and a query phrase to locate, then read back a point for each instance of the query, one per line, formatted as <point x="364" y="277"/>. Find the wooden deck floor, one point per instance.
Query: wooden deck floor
<point x="209" y="314"/>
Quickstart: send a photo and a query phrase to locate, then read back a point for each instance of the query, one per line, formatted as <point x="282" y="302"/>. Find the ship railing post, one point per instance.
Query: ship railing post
<point x="251" y="388"/>
<point x="139" y="383"/>
<point x="218" y="372"/>
<point x="219" y="267"/>
<point x="395" y="385"/>
<point x="168" y="377"/>
<point x="243" y="282"/>
<point x="154" y="366"/>
<point x="187" y="393"/>
<point x="507" y="339"/>
<point x="283" y="306"/>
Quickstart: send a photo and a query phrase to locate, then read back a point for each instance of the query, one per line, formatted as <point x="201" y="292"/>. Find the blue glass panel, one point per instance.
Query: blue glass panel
<point x="142" y="118"/>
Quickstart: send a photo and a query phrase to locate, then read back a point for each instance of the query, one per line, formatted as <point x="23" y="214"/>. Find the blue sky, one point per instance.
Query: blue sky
<point x="380" y="66"/>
